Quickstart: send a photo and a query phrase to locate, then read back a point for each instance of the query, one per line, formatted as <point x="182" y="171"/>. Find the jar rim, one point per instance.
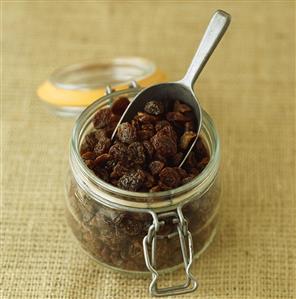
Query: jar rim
<point x="104" y="192"/>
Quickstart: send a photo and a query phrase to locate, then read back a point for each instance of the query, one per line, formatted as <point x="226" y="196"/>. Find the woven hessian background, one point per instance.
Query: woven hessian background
<point x="247" y="87"/>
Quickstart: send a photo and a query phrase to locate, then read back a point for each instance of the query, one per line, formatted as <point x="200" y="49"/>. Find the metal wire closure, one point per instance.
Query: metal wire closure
<point x="185" y="237"/>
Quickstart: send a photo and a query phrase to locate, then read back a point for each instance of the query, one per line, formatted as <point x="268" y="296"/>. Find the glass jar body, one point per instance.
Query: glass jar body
<point x="113" y="233"/>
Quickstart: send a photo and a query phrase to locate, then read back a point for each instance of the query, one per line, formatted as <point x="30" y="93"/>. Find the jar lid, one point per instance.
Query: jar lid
<point x="78" y="85"/>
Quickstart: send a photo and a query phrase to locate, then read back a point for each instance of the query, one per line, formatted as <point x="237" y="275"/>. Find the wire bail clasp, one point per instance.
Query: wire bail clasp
<point x="186" y="243"/>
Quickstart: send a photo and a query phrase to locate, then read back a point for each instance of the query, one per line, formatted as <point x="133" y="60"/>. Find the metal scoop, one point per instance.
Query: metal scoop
<point x="183" y="90"/>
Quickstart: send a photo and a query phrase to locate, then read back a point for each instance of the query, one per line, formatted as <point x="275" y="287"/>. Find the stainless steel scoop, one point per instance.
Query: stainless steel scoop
<point x="183" y="90"/>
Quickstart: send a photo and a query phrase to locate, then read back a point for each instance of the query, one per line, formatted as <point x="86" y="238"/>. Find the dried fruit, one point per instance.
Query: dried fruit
<point x="118" y="151"/>
<point x="155" y="167"/>
<point x="181" y="107"/>
<point x="186" y="139"/>
<point x="164" y="144"/>
<point x="102" y="118"/>
<point x="89" y="156"/>
<point x="126" y="133"/>
<point x="102" y="146"/>
<point x="136" y="153"/>
<point x="161" y="124"/>
<point x="170" y="177"/>
<point x="132" y="181"/>
<point x="120" y="105"/>
<point x="177" y="117"/>
<point x="100" y="160"/>
<point x="154" y="107"/>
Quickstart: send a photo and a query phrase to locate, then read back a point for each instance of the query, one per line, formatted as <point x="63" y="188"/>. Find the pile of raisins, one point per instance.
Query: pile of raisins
<point x="146" y="152"/>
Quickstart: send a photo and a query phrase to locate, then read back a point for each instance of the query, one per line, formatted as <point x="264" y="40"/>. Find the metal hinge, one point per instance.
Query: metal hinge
<point x="186" y="243"/>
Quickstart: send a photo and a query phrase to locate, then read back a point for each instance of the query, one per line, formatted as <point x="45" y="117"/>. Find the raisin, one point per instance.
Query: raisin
<point x="91" y="140"/>
<point x="89" y="156"/>
<point x="182" y="172"/>
<point x="119" y="170"/>
<point x="149" y="180"/>
<point x="154" y="107"/>
<point x="120" y="105"/>
<point x="136" y="153"/>
<point x="102" y="146"/>
<point x="191" y="161"/>
<point x="102" y="159"/>
<point x="164" y="145"/>
<point x="148" y="126"/>
<point x="161" y="124"/>
<point x="181" y="107"/>
<point x="186" y="139"/>
<point x="146" y="118"/>
<point x="100" y="133"/>
<point x="90" y="163"/>
<point x="170" y="177"/>
<point x="126" y="133"/>
<point x="84" y="148"/>
<point x="155" y="167"/>
<point x="132" y="181"/>
<point x="169" y="131"/>
<point x="177" y="159"/>
<point x="118" y="151"/>
<point x="149" y="149"/>
<point x="102" y="118"/>
<point x="102" y="173"/>
<point x="145" y="134"/>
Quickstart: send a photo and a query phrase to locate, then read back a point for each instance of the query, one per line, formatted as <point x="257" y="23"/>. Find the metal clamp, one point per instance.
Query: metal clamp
<point x="187" y="252"/>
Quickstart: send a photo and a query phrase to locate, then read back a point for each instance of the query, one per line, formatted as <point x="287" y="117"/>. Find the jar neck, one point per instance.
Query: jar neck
<point x="114" y="197"/>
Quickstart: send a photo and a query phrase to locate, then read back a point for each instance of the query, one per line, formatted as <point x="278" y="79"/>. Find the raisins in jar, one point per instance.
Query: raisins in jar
<point x="145" y="134"/>
<point x="120" y="105"/>
<point x="154" y="107"/>
<point x="126" y="133"/>
<point x="136" y="153"/>
<point x="102" y="159"/>
<point x="170" y="177"/>
<point x="102" y="118"/>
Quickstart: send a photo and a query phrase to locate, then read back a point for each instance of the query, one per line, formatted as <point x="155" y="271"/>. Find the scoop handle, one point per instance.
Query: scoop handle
<point x="216" y="29"/>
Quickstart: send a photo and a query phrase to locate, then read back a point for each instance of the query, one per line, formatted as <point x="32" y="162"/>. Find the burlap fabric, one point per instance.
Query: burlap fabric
<point x="247" y="87"/>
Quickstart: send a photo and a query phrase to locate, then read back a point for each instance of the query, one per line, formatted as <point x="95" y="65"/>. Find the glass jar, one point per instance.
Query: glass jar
<point x="142" y="232"/>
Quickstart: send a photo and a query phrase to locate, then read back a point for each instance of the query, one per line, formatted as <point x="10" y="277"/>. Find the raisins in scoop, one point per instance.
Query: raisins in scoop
<point x="170" y="177"/>
<point x="154" y="107"/>
<point x="126" y="133"/>
<point x="136" y="153"/>
<point x="132" y="181"/>
<point x="102" y="118"/>
<point x="120" y="105"/>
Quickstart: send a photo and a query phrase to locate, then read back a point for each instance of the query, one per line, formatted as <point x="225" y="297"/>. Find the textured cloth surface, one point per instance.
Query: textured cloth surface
<point x="247" y="87"/>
